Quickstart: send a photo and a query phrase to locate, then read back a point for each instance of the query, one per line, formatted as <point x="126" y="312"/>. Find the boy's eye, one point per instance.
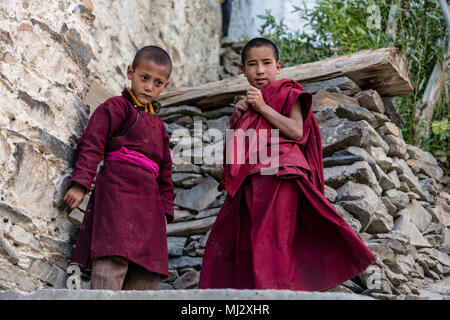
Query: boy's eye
<point x="159" y="83"/>
<point x="144" y="78"/>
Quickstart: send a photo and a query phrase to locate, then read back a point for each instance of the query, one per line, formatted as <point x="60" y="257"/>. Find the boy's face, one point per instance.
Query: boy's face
<point x="148" y="80"/>
<point x="260" y="66"/>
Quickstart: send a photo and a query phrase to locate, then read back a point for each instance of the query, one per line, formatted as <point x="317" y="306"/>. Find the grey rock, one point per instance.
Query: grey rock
<point x="55" y="245"/>
<point x="361" y="201"/>
<point x="339" y="133"/>
<point x="404" y="224"/>
<point x="185" y="262"/>
<point x="395" y="245"/>
<point x="207" y="213"/>
<point x="350" y="219"/>
<point x="217" y="113"/>
<point x="12" y="214"/>
<point x="388" y="128"/>
<point x="417" y="215"/>
<point x="437" y="255"/>
<point x="397" y="147"/>
<point x="214" y="171"/>
<point x="176" y="245"/>
<point x="394" y="178"/>
<point x="420" y="166"/>
<point x="398" y="198"/>
<point x="412" y="181"/>
<point x="380" y="117"/>
<point x="391" y="208"/>
<point x="188" y="280"/>
<point x="324" y="115"/>
<point x="330" y="193"/>
<point x="183" y="109"/>
<point x="52" y="144"/>
<point x="182" y="215"/>
<point x="336" y="160"/>
<point x="371" y="100"/>
<point x="355" y="113"/>
<point x="418" y="154"/>
<point x="178" y="178"/>
<point x="161" y="286"/>
<point x="379" y="155"/>
<point x="8" y="251"/>
<point x="186" y="167"/>
<point x="343" y="83"/>
<point x="221" y="123"/>
<point x="385" y="180"/>
<point x="381" y="250"/>
<point x="391" y="112"/>
<point x="20" y="237"/>
<point x="360" y="172"/>
<point x="372" y="137"/>
<point x="190" y="227"/>
<point x="170" y="128"/>
<point x="199" y="197"/>
<point x="48" y="272"/>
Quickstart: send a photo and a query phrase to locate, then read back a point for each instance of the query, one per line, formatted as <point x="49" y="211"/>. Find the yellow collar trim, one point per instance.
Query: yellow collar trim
<point x="148" y="107"/>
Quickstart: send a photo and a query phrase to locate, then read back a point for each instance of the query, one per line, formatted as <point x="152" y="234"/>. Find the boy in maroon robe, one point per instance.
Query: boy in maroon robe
<point x="123" y="235"/>
<point x="278" y="231"/>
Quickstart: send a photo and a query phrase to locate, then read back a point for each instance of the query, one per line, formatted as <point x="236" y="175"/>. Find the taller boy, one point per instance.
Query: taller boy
<point x="279" y="231"/>
<point x="123" y="236"/>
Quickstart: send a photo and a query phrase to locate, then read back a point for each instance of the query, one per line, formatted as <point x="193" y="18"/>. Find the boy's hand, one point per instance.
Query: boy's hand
<point x="74" y="197"/>
<point x="239" y="108"/>
<point x="255" y="99"/>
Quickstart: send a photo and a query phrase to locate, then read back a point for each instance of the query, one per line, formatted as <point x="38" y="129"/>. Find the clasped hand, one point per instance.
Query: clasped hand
<point x="254" y="99"/>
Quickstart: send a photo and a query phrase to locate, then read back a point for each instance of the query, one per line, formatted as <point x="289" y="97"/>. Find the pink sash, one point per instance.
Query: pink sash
<point x="134" y="157"/>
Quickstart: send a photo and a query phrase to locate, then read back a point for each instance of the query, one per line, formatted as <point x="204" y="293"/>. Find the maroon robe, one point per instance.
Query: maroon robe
<point x="279" y="231"/>
<point x="126" y="213"/>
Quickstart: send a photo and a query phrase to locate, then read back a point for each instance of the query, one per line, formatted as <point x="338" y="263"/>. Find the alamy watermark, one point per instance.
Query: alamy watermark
<point x="250" y="146"/>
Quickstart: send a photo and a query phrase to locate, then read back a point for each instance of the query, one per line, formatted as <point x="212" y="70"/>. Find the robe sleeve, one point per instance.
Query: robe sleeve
<point x="305" y="99"/>
<point x="165" y="177"/>
<point x="105" y="120"/>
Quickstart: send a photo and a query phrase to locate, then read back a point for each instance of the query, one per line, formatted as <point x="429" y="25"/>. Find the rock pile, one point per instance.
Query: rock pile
<point x="230" y="58"/>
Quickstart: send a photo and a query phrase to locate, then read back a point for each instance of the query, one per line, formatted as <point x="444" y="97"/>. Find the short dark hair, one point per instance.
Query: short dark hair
<point x="155" y="54"/>
<point x="256" y="43"/>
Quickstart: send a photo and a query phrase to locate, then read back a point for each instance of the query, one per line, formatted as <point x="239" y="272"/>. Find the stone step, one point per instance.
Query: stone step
<point x="194" y="294"/>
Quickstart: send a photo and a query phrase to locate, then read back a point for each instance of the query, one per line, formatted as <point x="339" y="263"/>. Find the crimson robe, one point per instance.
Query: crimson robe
<point x="279" y="231"/>
<point x="126" y="212"/>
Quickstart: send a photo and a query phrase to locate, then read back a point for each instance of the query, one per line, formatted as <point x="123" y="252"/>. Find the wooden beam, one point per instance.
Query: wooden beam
<point x="385" y="70"/>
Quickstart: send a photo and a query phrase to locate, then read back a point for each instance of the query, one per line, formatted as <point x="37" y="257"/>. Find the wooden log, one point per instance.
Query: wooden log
<point x="385" y="70"/>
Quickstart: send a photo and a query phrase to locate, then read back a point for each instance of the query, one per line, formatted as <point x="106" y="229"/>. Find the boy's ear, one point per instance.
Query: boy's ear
<point x="242" y="68"/>
<point x="129" y="72"/>
<point x="278" y="66"/>
<point x="167" y="83"/>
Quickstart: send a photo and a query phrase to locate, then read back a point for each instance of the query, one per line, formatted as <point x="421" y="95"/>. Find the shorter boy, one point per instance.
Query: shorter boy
<point x="123" y="236"/>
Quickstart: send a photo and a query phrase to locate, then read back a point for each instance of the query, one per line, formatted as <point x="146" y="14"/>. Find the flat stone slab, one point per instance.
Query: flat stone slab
<point x="193" y="294"/>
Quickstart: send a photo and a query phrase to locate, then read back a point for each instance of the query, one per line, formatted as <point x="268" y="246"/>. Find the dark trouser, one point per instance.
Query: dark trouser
<point x="118" y="273"/>
<point x="226" y="15"/>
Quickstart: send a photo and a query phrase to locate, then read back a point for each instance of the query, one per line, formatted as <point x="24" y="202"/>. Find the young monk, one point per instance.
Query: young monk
<point x="279" y="231"/>
<point x="123" y="236"/>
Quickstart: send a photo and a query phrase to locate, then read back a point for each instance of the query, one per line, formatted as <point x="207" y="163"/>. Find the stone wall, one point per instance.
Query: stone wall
<point x="188" y="30"/>
<point x="50" y="52"/>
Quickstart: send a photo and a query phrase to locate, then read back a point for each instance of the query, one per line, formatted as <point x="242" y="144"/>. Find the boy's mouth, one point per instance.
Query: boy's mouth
<point x="260" y="80"/>
<point x="146" y="96"/>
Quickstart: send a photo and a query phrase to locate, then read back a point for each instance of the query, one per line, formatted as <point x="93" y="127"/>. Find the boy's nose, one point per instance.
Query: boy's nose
<point x="148" y="87"/>
<point x="259" y="70"/>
